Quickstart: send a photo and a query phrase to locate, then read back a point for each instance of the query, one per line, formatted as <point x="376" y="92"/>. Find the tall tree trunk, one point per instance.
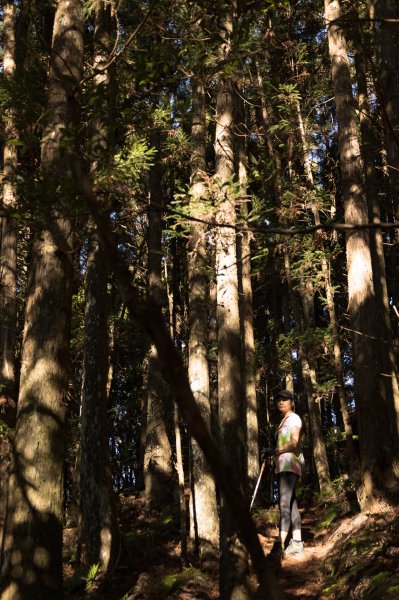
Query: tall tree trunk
<point x="176" y="417"/>
<point x="8" y="234"/>
<point x="158" y="453"/>
<point x="234" y="560"/>
<point x="203" y="509"/>
<point x="96" y="494"/>
<point x="245" y="289"/>
<point x="8" y="264"/>
<point x="374" y="210"/>
<point x="32" y="548"/>
<point x="376" y="405"/>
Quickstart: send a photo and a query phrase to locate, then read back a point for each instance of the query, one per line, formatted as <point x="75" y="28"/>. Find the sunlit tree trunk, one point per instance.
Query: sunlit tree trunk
<point x="375" y="387"/>
<point x="32" y="548"/>
<point x="158" y="454"/>
<point x="96" y="494"/>
<point x="245" y="290"/>
<point x="234" y="560"/>
<point x="8" y="263"/>
<point x="204" y="523"/>
<point x="8" y="233"/>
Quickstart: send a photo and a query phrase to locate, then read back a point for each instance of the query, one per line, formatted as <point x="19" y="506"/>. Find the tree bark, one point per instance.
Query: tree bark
<point x="203" y="505"/>
<point x="245" y="304"/>
<point x="233" y="559"/>
<point x="171" y="293"/>
<point x="375" y="395"/>
<point x="8" y="264"/>
<point x="8" y="233"/>
<point x="374" y="211"/>
<point x="32" y="548"/>
<point x="158" y="453"/>
<point x="99" y="528"/>
<point x="96" y="495"/>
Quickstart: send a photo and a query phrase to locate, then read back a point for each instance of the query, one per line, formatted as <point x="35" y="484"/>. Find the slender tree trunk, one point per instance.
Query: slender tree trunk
<point x="8" y="264"/>
<point x="176" y="419"/>
<point x="234" y="559"/>
<point x="203" y="509"/>
<point x="158" y="454"/>
<point x="32" y="548"/>
<point x="8" y="234"/>
<point x="375" y="387"/>
<point x="213" y="340"/>
<point x="245" y="289"/>
<point x="96" y="495"/>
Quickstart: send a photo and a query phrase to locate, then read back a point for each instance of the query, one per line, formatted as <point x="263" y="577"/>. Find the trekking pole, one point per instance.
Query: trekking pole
<point x="257" y="483"/>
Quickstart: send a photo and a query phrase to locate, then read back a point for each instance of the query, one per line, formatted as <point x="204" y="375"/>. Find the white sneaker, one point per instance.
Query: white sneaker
<point x="294" y="548"/>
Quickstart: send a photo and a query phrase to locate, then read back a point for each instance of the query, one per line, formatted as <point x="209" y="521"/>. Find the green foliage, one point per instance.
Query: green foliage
<point x="3" y="428"/>
<point x="170" y="581"/>
<point x="135" y="158"/>
<point x="174" y="582"/>
<point x="167" y="520"/>
<point x="83" y="578"/>
<point x="92" y="575"/>
<point x="331" y="516"/>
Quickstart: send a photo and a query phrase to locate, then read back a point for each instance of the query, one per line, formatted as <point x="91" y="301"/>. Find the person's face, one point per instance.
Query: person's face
<point x="284" y="405"/>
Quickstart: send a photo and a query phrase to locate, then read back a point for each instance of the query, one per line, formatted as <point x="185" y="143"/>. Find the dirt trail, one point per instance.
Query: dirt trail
<point x="301" y="577"/>
<point x="359" y="548"/>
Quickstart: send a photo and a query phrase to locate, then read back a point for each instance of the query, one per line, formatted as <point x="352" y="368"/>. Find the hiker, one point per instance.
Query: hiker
<point x="288" y="461"/>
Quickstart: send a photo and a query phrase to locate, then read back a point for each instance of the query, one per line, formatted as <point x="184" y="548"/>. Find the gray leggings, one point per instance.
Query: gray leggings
<point x="289" y="512"/>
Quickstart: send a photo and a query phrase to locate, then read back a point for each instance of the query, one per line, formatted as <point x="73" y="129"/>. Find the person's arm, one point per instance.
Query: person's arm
<point x="292" y="444"/>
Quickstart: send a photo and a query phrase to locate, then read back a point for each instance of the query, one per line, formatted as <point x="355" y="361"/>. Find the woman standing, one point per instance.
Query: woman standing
<point x="289" y="462"/>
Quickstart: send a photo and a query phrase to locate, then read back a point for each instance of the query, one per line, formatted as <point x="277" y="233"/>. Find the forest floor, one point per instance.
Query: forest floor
<point x="348" y="555"/>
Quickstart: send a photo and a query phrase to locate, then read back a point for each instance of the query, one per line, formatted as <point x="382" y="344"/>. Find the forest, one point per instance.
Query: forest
<point x="199" y="209"/>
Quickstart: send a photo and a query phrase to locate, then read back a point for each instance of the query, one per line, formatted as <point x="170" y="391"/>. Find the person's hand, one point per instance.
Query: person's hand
<point x="266" y="453"/>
